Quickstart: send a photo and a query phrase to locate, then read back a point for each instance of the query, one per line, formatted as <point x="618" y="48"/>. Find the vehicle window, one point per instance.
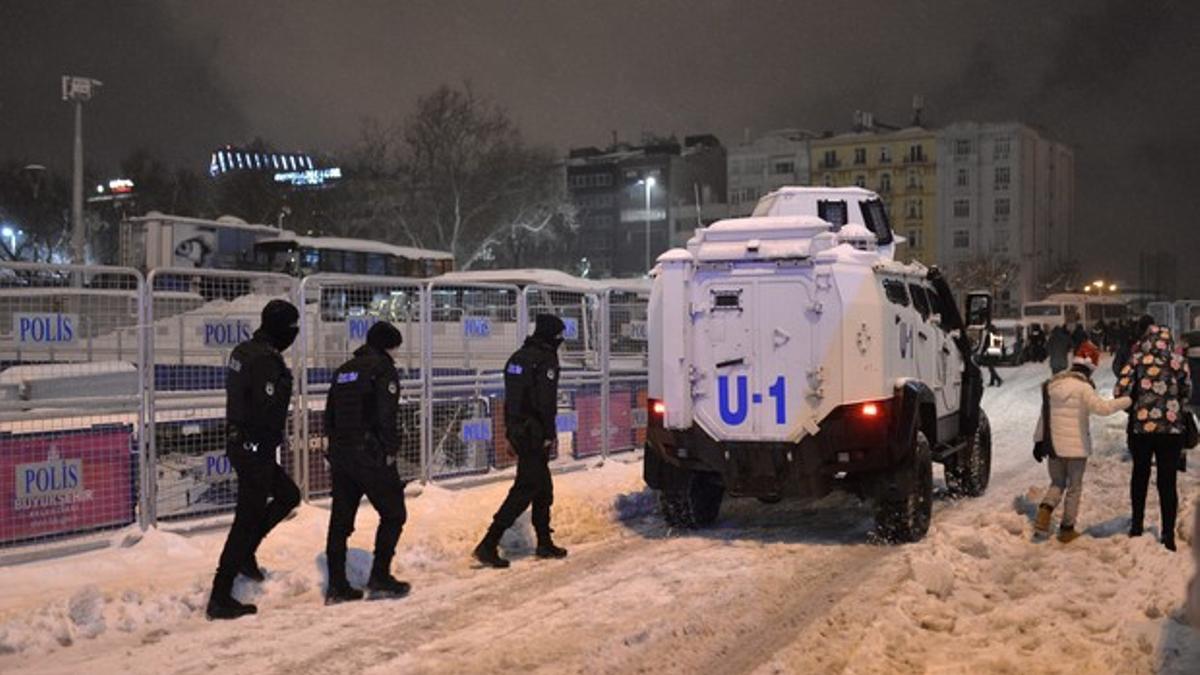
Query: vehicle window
<point x="833" y="212"/>
<point x="876" y="219"/>
<point x="1043" y="310"/>
<point x="935" y="303"/>
<point x="376" y="264"/>
<point x="331" y="261"/>
<point x="895" y="291"/>
<point x="919" y="300"/>
<point x="353" y="262"/>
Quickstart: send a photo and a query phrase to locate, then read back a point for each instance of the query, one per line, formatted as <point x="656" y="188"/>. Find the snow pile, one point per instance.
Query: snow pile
<point x="149" y="588"/>
<point x="980" y="594"/>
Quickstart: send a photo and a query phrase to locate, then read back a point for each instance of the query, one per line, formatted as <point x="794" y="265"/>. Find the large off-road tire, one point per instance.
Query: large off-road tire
<point x="696" y="505"/>
<point x="969" y="470"/>
<point x="903" y="518"/>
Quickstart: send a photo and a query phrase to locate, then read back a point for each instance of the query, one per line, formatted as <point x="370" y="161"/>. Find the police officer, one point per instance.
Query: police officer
<point x="258" y="389"/>
<point x="530" y="408"/>
<point x="361" y="423"/>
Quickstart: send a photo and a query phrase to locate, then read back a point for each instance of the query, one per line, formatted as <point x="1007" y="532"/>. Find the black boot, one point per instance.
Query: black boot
<point x="222" y="605"/>
<point x="383" y="585"/>
<point x="487" y="552"/>
<point x="341" y="591"/>
<point x="252" y="571"/>
<point x="547" y="549"/>
<point x="1168" y="540"/>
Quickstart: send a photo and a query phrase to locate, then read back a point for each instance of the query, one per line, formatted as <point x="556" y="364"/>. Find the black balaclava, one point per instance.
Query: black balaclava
<point x="549" y="329"/>
<point x="384" y="336"/>
<point x="281" y="323"/>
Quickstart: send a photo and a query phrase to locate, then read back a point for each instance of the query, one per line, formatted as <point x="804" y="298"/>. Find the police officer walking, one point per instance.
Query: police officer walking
<point x="361" y="424"/>
<point x="258" y="390"/>
<point x="530" y="408"/>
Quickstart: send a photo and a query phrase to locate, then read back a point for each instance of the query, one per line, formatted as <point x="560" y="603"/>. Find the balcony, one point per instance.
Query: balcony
<point x="823" y="164"/>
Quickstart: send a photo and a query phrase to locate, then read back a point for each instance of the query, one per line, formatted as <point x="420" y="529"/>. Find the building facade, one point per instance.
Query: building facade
<point x="900" y="165"/>
<point x="1005" y="193"/>
<point x="635" y="202"/>
<point x="771" y="161"/>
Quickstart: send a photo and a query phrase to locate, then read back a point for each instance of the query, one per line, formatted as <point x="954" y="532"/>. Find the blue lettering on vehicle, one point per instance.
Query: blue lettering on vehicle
<point x="227" y="333"/>
<point x="477" y="327"/>
<point x="45" y="328"/>
<point x="734" y="412"/>
<point x="567" y="422"/>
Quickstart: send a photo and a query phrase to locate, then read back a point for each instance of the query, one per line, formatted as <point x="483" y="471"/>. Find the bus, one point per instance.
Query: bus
<point x="1070" y="309"/>
<point x="301" y="256"/>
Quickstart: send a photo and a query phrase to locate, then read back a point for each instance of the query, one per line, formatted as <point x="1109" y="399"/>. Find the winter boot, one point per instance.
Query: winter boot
<point x="1068" y="534"/>
<point x="383" y="585"/>
<point x="1168" y="541"/>
<point x="1135" y="530"/>
<point x="252" y="571"/>
<point x="222" y="605"/>
<point x="488" y="554"/>
<point x="547" y="549"/>
<point x="1041" y="524"/>
<point x="341" y="591"/>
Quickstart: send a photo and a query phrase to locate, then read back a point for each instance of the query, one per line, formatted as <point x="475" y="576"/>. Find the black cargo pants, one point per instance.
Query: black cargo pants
<point x="266" y="495"/>
<point x="383" y="487"/>
<point x="533" y="486"/>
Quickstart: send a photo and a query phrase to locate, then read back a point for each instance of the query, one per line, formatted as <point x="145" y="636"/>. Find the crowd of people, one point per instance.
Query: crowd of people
<point x="361" y="425"/>
<point x="1154" y="385"/>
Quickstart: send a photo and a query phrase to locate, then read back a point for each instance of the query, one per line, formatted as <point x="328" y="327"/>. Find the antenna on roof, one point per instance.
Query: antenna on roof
<point x="918" y="105"/>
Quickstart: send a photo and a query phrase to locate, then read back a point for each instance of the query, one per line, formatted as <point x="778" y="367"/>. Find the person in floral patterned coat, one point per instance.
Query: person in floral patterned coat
<point x="1156" y="377"/>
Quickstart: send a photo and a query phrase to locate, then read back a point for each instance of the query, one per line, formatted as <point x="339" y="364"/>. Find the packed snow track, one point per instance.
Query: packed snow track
<point x="791" y="587"/>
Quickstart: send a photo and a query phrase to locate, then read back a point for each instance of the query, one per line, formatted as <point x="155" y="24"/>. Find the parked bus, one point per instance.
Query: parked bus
<point x="301" y="256"/>
<point x="1074" y="308"/>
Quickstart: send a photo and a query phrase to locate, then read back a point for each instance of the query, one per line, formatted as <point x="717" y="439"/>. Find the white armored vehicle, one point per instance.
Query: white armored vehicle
<point x="791" y="355"/>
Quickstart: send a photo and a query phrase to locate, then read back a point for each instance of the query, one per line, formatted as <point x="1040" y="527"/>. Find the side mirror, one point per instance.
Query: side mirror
<point x="979" y="309"/>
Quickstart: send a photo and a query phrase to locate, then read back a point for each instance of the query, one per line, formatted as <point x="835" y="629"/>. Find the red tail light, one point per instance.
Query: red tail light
<point x="870" y="410"/>
<point x="657" y="408"/>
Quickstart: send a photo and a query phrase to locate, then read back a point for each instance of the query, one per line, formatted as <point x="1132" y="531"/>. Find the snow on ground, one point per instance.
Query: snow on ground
<point x="791" y="587"/>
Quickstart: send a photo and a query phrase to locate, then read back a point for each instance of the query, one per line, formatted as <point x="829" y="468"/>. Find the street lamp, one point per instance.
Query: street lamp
<point x="78" y="90"/>
<point x="649" y="183"/>
<point x="1112" y="288"/>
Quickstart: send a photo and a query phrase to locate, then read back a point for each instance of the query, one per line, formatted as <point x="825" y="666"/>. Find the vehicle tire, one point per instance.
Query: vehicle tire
<point x="969" y="470"/>
<point x="696" y="506"/>
<point x="905" y="518"/>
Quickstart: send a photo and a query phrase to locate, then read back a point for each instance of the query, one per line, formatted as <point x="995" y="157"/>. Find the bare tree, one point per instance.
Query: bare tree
<point x="457" y="176"/>
<point x="991" y="273"/>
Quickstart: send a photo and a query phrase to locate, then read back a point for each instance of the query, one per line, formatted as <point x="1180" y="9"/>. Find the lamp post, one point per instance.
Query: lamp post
<point x="648" y="181"/>
<point x="78" y="90"/>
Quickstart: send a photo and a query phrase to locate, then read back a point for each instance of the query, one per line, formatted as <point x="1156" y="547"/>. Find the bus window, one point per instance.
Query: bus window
<point x="331" y="261"/>
<point x="310" y="259"/>
<point x="353" y="262"/>
<point x="1095" y="312"/>
<point x="1115" y="312"/>
<point x="376" y="264"/>
<point x="1073" y="314"/>
<point x="1043" y="310"/>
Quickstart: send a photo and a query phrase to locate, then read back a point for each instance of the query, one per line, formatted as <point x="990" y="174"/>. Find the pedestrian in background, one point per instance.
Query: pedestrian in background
<point x="1159" y="382"/>
<point x="1058" y="348"/>
<point x="1070" y="399"/>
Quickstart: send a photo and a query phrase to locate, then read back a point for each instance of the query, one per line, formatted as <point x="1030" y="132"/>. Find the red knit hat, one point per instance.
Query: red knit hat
<point x="1087" y="354"/>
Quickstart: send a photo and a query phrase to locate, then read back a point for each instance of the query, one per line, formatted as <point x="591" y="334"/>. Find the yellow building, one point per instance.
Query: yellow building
<point x="900" y="166"/>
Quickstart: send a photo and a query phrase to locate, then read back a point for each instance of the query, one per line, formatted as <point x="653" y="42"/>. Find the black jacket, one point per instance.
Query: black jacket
<point x="531" y="393"/>
<point x="258" y="391"/>
<point x="362" y="410"/>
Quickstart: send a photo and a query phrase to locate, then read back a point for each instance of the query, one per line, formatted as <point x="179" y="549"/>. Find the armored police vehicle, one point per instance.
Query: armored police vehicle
<point x="792" y="355"/>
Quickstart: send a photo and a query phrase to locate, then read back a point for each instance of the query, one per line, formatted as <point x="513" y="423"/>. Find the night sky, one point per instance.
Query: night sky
<point x="1114" y="78"/>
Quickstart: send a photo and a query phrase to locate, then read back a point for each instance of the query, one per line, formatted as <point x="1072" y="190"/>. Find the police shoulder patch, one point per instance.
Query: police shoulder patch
<point x="392" y="389"/>
<point x="270" y="388"/>
<point x="235" y="365"/>
<point x="550" y="373"/>
<point x="347" y="377"/>
<point x="514" y="369"/>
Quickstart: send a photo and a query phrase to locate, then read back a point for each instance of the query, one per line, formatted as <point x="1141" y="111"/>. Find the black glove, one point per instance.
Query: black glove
<point x="1039" y="451"/>
<point x="1182" y="466"/>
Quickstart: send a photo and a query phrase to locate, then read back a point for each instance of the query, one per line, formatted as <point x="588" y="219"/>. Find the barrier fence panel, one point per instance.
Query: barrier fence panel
<point x="471" y="330"/>
<point x="339" y="310"/>
<point x="194" y="319"/>
<point x="71" y="410"/>
<point x="627" y="361"/>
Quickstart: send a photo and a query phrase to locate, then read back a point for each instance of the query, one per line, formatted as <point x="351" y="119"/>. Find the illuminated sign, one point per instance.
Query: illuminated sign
<point x="311" y="177"/>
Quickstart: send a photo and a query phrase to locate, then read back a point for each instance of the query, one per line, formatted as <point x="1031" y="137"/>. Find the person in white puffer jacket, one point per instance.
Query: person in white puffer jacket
<point x="1072" y="401"/>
